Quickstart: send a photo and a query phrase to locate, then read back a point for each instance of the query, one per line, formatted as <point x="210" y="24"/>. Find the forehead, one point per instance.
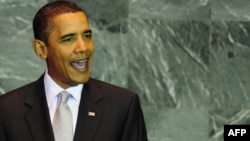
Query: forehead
<point x="70" y="21"/>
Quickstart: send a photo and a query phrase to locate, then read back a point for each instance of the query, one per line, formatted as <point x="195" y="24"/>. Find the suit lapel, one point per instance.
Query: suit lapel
<point x="90" y="113"/>
<point x="37" y="117"/>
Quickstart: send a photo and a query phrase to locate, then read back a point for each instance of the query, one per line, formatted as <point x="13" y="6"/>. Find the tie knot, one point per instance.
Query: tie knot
<point x="65" y="96"/>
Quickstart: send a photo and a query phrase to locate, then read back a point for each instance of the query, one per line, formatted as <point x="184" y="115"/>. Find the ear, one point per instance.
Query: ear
<point x="40" y="49"/>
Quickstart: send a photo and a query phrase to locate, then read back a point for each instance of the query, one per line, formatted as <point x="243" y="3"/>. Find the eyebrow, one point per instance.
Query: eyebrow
<point x="88" y="31"/>
<point x="73" y="34"/>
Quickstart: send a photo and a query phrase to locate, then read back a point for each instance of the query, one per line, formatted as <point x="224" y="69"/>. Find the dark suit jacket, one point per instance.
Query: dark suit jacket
<point x="24" y="114"/>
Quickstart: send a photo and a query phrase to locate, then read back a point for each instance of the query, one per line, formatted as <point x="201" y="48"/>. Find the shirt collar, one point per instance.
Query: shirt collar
<point x="52" y="89"/>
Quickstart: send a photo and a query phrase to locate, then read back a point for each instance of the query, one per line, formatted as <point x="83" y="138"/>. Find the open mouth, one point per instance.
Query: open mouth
<point x="79" y="64"/>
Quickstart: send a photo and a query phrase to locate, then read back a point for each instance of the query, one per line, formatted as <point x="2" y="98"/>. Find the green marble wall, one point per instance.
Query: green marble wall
<point x="187" y="59"/>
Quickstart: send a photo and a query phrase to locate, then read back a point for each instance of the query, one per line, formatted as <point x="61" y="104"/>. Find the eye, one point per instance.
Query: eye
<point x="87" y="35"/>
<point x="67" y="40"/>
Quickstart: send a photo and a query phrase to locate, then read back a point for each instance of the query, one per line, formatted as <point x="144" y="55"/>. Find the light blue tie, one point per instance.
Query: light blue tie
<point x="62" y="123"/>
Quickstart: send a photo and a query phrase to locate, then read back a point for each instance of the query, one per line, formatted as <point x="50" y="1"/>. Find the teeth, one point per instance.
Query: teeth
<point x="79" y="64"/>
<point x="81" y="61"/>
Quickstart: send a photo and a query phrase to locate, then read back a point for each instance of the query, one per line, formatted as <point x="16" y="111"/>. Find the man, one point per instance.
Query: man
<point x="95" y="110"/>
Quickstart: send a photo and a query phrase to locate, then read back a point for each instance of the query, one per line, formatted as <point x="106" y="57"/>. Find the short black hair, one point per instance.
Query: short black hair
<point x="42" y="19"/>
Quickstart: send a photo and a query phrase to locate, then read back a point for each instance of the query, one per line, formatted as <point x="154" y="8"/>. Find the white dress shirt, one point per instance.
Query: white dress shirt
<point x="52" y="90"/>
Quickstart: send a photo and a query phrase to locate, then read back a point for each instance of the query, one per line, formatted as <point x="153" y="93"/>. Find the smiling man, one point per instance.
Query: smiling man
<point x="68" y="50"/>
<point x="65" y="103"/>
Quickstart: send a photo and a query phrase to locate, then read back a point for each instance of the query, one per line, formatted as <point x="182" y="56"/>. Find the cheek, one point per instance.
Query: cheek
<point x="57" y="59"/>
<point x="92" y="48"/>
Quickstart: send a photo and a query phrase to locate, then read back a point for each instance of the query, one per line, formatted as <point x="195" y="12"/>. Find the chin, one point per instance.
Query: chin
<point x="82" y="80"/>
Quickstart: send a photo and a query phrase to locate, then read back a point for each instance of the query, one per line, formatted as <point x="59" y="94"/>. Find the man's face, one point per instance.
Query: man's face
<point x="70" y="49"/>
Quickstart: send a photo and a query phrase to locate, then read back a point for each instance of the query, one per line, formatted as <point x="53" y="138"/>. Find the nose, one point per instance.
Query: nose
<point x="81" y="46"/>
